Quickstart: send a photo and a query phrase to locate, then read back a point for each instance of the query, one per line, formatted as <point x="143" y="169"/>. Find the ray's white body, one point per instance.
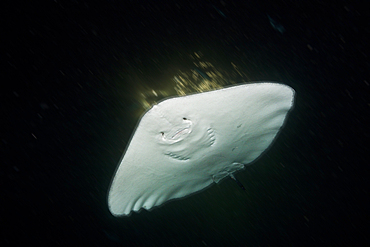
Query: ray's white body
<point x="184" y="144"/>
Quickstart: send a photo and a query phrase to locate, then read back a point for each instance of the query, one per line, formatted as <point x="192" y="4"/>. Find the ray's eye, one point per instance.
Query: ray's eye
<point x="178" y="132"/>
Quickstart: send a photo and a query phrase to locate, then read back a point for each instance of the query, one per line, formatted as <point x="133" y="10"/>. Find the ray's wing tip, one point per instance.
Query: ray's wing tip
<point x="120" y="213"/>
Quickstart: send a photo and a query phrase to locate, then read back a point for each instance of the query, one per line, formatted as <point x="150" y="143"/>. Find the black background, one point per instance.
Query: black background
<point x="66" y="120"/>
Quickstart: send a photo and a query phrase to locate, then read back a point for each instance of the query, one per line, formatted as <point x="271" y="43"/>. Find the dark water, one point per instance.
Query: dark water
<point x="76" y="71"/>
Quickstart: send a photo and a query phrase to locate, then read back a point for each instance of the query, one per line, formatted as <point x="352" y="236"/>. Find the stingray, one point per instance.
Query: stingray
<point x="184" y="144"/>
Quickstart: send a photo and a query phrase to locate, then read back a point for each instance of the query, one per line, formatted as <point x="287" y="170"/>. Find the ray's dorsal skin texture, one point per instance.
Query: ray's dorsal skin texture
<point x="184" y="144"/>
